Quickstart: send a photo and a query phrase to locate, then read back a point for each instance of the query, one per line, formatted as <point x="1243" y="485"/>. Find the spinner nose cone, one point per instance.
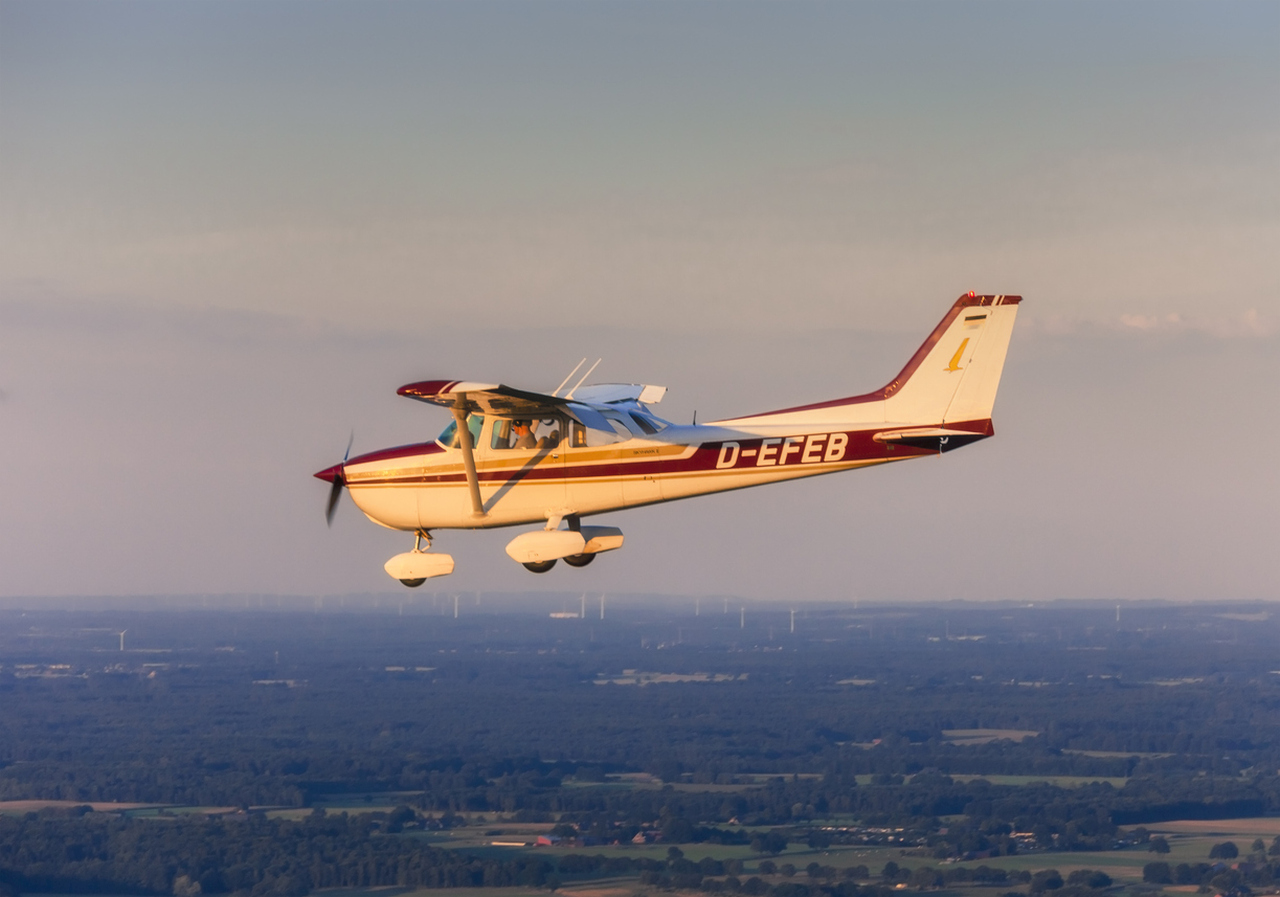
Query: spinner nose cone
<point x="330" y="474"/>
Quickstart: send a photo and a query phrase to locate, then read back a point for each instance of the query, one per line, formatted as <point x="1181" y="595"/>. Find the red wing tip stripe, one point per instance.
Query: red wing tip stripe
<point x="426" y="389"/>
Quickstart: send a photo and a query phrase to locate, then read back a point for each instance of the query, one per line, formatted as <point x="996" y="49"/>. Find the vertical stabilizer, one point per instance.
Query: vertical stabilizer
<point x="955" y="374"/>
<point x="951" y="378"/>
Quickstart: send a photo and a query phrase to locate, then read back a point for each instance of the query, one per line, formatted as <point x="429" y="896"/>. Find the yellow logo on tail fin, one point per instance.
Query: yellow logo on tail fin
<point x="955" y="359"/>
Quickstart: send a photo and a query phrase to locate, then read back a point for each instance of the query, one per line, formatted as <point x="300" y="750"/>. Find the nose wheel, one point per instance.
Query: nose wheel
<point x="413" y="568"/>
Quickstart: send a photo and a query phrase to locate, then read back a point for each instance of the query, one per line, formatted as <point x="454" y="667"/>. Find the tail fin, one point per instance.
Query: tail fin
<point x="951" y="379"/>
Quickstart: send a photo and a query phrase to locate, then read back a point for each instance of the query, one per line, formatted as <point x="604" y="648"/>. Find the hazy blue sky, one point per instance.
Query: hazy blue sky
<point x="228" y="232"/>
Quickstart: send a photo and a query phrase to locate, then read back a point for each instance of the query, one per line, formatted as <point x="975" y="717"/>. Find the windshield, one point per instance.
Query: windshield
<point x="449" y="435"/>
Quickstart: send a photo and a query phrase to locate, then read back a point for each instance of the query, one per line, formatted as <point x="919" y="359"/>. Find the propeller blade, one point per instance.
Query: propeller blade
<point x="337" y="476"/>
<point x="335" y="493"/>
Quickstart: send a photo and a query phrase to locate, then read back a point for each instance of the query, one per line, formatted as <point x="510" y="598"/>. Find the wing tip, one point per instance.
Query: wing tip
<point x="425" y="390"/>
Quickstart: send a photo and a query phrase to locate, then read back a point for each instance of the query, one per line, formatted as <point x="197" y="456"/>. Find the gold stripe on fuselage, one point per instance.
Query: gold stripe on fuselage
<point x="762" y="473"/>
<point x="578" y="458"/>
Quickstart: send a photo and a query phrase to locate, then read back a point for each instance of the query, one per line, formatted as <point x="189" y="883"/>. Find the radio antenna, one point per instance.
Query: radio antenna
<point x="569" y="394"/>
<point x="556" y="391"/>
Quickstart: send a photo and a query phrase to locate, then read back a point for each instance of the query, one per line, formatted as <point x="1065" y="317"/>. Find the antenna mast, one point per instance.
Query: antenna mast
<point x="556" y="391"/>
<point x="569" y="394"/>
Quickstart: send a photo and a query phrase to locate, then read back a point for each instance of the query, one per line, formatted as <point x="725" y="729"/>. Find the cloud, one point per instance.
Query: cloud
<point x="1246" y="325"/>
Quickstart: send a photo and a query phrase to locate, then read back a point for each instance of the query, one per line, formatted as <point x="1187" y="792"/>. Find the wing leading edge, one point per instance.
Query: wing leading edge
<point x="507" y="401"/>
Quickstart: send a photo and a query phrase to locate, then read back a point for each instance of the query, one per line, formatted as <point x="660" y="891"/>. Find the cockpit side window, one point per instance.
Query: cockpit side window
<point x="549" y="432"/>
<point x="448" y="437"/>
<point x="526" y="434"/>
<point x="503" y="436"/>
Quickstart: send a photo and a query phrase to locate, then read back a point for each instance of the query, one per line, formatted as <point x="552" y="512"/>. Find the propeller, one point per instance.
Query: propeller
<point x="339" y="481"/>
<point x="335" y="493"/>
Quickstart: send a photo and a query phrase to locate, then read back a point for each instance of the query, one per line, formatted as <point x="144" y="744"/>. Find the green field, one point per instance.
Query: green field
<point x="1189" y="841"/>
<point x="1060" y="781"/>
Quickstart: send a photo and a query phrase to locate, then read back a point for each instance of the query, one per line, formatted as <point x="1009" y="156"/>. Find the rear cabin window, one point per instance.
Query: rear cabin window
<point x="590" y="437"/>
<point x="644" y="424"/>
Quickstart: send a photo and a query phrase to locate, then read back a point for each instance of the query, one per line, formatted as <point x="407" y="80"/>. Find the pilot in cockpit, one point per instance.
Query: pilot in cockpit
<point x="524" y="435"/>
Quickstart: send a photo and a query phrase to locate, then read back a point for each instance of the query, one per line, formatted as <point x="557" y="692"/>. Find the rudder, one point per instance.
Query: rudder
<point x="951" y="378"/>
<point x="954" y="376"/>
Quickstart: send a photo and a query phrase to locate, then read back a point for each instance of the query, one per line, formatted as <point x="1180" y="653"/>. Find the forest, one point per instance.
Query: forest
<point x="242" y="729"/>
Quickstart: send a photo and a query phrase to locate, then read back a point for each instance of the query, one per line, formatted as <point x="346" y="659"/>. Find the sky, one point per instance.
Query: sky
<point x="228" y="233"/>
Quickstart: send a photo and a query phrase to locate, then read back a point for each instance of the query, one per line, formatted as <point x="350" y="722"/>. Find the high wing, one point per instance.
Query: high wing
<point x="507" y="401"/>
<point x="619" y="393"/>
<point x="491" y="398"/>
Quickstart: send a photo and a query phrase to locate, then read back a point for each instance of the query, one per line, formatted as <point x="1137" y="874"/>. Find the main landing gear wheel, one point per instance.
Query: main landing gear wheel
<point x="579" y="560"/>
<point x="540" y="566"/>
<point x="413" y="583"/>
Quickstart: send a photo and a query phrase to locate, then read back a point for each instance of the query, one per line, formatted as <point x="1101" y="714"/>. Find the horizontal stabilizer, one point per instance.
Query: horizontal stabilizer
<point x="935" y="439"/>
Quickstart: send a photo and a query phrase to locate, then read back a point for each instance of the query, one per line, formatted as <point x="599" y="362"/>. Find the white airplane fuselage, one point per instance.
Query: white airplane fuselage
<point x="581" y="460"/>
<point x="423" y="487"/>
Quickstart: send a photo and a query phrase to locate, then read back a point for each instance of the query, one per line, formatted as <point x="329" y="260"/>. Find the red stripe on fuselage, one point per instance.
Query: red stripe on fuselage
<point x="399" y="451"/>
<point x="860" y="446"/>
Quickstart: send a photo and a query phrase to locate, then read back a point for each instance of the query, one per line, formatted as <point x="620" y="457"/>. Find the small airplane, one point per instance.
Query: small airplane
<point x="512" y="457"/>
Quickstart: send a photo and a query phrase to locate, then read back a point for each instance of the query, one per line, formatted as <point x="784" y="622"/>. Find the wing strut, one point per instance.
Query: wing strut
<point x="468" y="454"/>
